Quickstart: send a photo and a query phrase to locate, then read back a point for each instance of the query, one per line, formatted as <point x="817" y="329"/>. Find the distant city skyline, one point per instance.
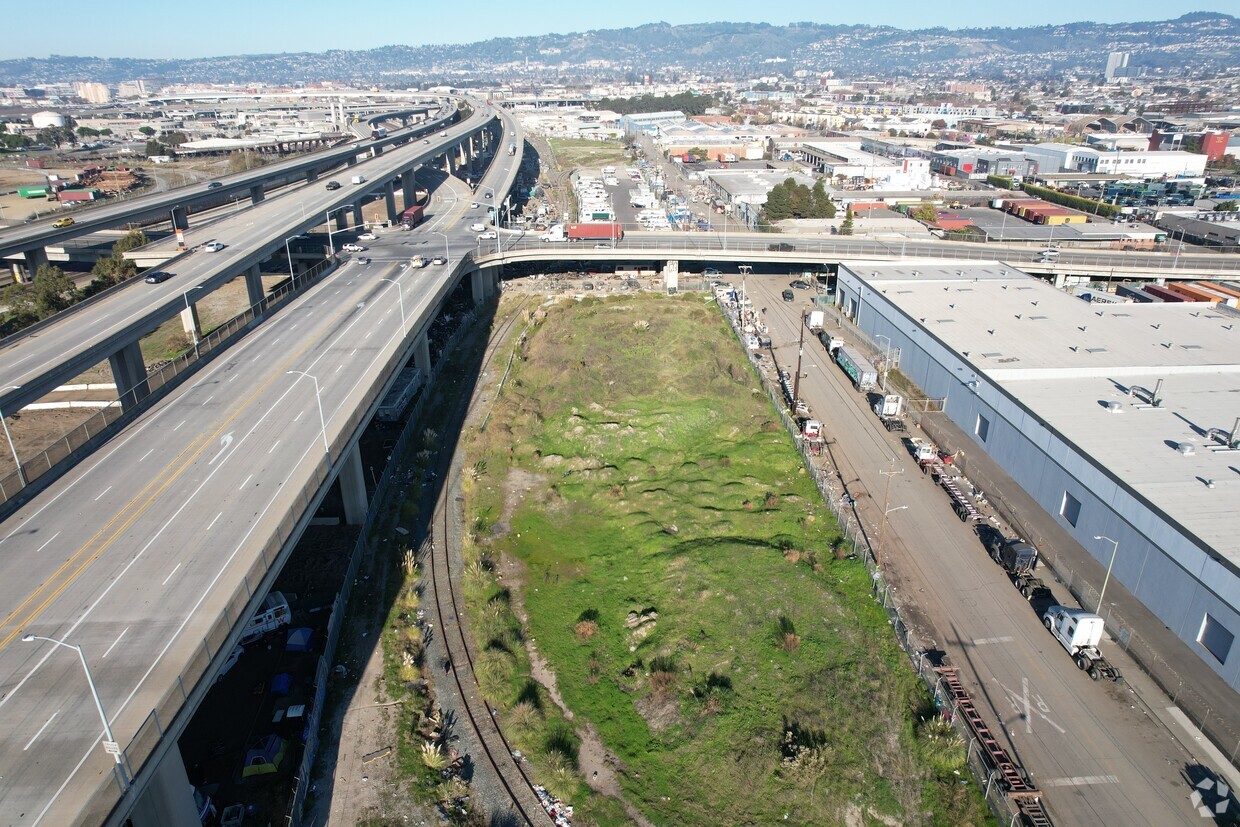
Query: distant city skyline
<point x="89" y="28"/>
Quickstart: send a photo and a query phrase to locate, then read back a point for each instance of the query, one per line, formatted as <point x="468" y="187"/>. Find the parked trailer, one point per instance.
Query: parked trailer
<point x="413" y="216"/>
<point x="595" y="231"/>
<point x="890" y="411"/>
<point x="32" y="192"/>
<point x="1080" y="632"/>
<point x="1019" y="559"/>
<point x="75" y="196"/>
<point x="1134" y="292"/>
<point x="964" y="508"/>
<point x="863" y="374"/>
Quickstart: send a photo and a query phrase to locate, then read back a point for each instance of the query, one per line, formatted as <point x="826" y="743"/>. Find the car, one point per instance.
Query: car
<point x="711" y="271"/>
<point x="367" y="237"/>
<point x="781" y="247"/>
<point x="443" y="134"/>
<point x="157" y="277"/>
<point x="214" y="185"/>
<point x="474" y="206"/>
<point x="64" y="222"/>
<point x="363" y="259"/>
<point x="476" y="227"/>
<point x="333" y="185"/>
<point x="427" y="141"/>
<point x="788" y="295"/>
<point x="212" y="247"/>
<point x="439" y="260"/>
<point x="487" y="234"/>
<point x="486" y="195"/>
<point x="799" y="284"/>
<point x="352" y="248"/>
<point x="417" y="261"/>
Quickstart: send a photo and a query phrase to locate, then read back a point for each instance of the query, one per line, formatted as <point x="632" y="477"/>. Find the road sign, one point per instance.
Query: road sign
<point x="111" y="748"/>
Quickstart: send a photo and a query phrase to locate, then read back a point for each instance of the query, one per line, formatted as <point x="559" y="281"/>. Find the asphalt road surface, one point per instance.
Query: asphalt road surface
<point x="1098" y="758"/>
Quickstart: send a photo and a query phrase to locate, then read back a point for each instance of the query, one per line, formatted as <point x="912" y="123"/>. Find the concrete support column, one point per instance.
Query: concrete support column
<point x="256" y="194"/>
<point x="35" y="259"/>
<point x="1060" y="280"/>
<point x="358" y="218"/>
<point x="389" y="192"/>
<point x="353" y="487"/>
<point x="311" y="176"/>
<point x="483" y="284"/>
<point x="254" y="286"/>
<point x="342" y="219"/>
<point x="378" y="150"/>
<point x="422" y="355"/>
<point x="352" y="162"/>
<point x="168" y="800"/>
<point x="180" y="218"/>
<point x="408" y="188"/>
<point x="129" y="374"/>
<point x="189" y="321"/>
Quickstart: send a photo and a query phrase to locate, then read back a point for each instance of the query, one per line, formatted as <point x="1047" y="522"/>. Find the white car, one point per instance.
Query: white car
<point x="474" y="206"/>
<point x="439" y="260"/>
<point x="367" y="237"/>
<point x="476" y="228"/>
<point x="487" y="234"/>
<point x="353" y="248"/>
<point x="213" y="247"/>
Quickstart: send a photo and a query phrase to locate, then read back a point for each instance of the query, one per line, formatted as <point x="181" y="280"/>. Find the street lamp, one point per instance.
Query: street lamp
<point x="193" y="321"/>
<point x="322" y="420"/>
<point x="288" y="254"/>
<point x="400" y="296"/>
<point x="109" y="744"/>
<point x="1107" y="579"/>
<point x="21" y="472"/>
<point x="445" y="244"/>
<point x="330" y="243"/>
<point x="882" y="530"/>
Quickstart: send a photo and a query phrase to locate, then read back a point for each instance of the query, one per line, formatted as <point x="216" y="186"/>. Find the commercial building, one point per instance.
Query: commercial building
<point x="93" y="92"/>
<point x="1116" y="63"/>
<point x="1054" y="157"/>
<point x="980" y="161"/>
<point x="650" y="122"/>
<point x="852" y="167"/>
<point x="743" y="192"/>
<point x="1207" y="227"/>
<point x="1119" y="422"/>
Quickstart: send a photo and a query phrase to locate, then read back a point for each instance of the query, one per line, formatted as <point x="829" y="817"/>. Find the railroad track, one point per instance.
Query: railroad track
<point x="496" y="751"/>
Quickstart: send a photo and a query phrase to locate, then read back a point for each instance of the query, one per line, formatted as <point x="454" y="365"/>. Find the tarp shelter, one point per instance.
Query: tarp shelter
<point x="280" y="683"/>
<point x="299" y="639"/>
<point x="264" y="758"/>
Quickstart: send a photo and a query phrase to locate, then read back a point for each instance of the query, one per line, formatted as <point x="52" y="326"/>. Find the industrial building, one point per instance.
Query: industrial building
<point x="743" y="192"/>
<point x="848" y="163"/>
<point x="977" y="162"/>
<point x="1055" y="157"/>
<point x="1118" y="420"/>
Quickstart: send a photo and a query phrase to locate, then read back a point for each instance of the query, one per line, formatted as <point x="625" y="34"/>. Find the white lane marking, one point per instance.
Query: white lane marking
<point x="1021" y="705"/>
<point x="182" y="422"/>
<point x="46" y="542"/>
<point x="337" y="370"/>
<point x="225" y="441"/>
<point x="294" y="327"/>
<point x="982" y="641"/>
<point x="40" y="732"/>
<point x="276" y="342"/>
<point x="232" y="378"/>
<point x="118" y="640"/>
<point x="273" y="446"/>
<point x="1082" y="780"/>
<point x="209" y="398"/>
<point x="298" y="417"/>
<point x="367" y="336"/>
<point x="104" y="491"/>
<point x="247" y="479"/>
<point x="147" y="454"/>
<point x="169" y="577"/>
<point x="217" y="516"/>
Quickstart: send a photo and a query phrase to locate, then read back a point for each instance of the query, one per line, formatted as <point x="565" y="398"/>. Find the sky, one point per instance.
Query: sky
<point x="205" y="28"/>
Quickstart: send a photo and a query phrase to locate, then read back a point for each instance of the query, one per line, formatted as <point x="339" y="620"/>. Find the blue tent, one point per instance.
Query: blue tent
<point x="299" y="639"/>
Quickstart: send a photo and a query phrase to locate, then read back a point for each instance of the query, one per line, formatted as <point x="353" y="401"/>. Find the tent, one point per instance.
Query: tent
<point x="264" y="758"/>
<point x="280" y="683"/>
<point x="299" y="639"/>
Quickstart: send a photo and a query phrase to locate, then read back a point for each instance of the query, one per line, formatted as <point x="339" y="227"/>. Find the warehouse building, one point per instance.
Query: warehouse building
<point x="1054" y="157"/>
<point x="1119" y="421"/>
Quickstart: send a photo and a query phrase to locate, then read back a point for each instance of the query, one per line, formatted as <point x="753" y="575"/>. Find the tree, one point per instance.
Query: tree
<point x="175" y="138"/>
<point x="1228" y="206"/>
<point x="52" y="291"/>
<point x="820" y="204"/>
<point x="156" y="148"/>
<point x="15" y="141"/>
<point x="985" y="140"/>
<point x="147" y="130"/>
<point x="132" y="240"/>
<point x="799" y="196"/>
<point x="925" y="214"/>
<point x="778" y="204"/>
<point x="846" y="226"/>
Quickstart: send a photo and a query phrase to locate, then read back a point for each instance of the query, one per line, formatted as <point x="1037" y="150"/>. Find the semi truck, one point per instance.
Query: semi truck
<point x="411" y="217"/>
<point x="1080" y="632"/>
<point x="890" y="411"/>
<point x="554" y="233"/>
<point x="378" y="132"/>
<point x="1019" y="559"/>
<point x="859" y="369"/>
<point x="595" y="231"/>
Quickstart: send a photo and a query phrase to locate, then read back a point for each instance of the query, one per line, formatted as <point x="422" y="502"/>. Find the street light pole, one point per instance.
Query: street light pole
<point x="289" y="255"/>
<point x="446" y="254"/>
<point x="886" y="501"/>
<point x="330" y="243"/>
<point x="400" y="296"/>
<point x="1107" y="579"/>
<point x="322" y="420"/>
<point x="109" y="745"/>
<point x="21" y="472"/>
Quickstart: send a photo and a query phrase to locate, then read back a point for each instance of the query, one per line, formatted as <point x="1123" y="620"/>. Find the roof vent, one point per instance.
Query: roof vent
<point x="1186" y="449"/>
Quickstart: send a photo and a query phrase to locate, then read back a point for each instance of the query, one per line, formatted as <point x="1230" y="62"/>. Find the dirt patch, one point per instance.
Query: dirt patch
<point x="660" y="709"/>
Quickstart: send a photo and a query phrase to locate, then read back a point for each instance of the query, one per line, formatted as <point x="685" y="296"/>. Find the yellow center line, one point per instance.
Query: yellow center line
<point x="210" y="440"/>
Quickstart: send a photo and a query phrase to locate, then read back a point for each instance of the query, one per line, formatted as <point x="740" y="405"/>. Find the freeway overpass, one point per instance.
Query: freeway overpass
<point x="29" y="240"/>
<point x="151" y="554"/>
<point x="47" y="355"/>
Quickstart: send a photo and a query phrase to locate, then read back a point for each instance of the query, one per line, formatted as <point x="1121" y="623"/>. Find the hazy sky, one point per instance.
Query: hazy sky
<point x="200" y="28"/>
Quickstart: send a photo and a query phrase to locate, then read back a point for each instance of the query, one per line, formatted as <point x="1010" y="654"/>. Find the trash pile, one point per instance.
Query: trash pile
<point x="561" y="813"/>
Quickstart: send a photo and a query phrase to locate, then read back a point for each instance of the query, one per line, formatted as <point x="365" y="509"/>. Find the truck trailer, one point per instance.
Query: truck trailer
<point x="411" y="217"/>
<point x="889" y="409"/>
<point x="1019" y="559"/>
<point x="859" y="369"/>
<point x="595" y="231"/>
<point x="378" y="132"/>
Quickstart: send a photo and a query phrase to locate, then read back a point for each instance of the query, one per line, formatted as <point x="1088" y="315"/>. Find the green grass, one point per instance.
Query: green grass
<point x="570" y="152"/>
<point x="763" y="683"/>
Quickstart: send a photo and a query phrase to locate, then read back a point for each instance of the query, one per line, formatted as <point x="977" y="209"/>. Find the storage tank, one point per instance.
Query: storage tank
<point x="42" y="120"/>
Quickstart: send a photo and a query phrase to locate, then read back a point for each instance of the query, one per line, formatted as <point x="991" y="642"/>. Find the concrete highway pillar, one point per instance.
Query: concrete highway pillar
<point x="351" y="162"/>
<point x="311" y="176"/>
<point x="35" y="259"/>
<point x="189" y="321"/>
<point x="168" y="801"/>
<point x="342" y="219"/>
<point x="1060" y="280"/>
<point x="129" y="374"/>
<point x="422" y="355"/>
<point x="482" y="284"/>
<point x="409" y="188"/>
<point x="257" y="194"/>
<point x="254" y="287"/>
<point x="389" y="192"/>
<point x="353" y="487"/>
<point x="378" y="150"/>
<point x="180" y="218"/>
<point x="358" y="218"/>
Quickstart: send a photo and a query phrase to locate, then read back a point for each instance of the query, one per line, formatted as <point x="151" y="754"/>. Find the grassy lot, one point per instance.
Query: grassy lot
<point x="571" y="153"/>
<point x="681" y="577"/>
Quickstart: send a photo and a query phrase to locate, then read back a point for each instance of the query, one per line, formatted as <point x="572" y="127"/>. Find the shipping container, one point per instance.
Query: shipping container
<point x="859" y="369"/>
<point x="412" y="216"/>
<point x="74" y="196"/>
<point x="1163" y="293"/>
<point x="595" y="231"/>
<point x="1134" y="292"/>
<point x="32" y="192"/>
<point x="1192" y="294"/>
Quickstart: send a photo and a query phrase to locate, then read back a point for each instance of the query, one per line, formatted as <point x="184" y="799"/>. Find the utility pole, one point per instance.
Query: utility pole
<point x="882" y="529"/>
<point x="796" y="380"/>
